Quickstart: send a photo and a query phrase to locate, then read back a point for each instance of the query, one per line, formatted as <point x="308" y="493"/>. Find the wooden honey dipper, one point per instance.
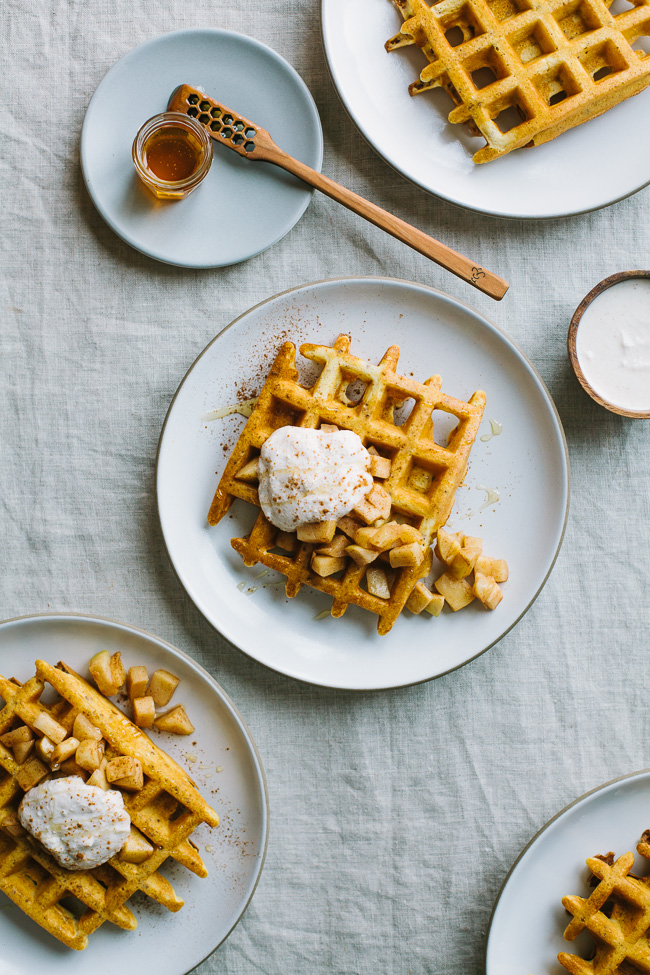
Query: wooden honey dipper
<point x="250" y="140"/>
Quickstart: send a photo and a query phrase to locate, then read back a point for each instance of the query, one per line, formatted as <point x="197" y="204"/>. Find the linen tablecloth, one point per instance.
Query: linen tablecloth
<point x="394" y="816"/>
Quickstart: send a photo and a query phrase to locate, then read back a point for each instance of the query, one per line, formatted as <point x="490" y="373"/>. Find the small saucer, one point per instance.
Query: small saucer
<point x="595" y="292"/>
<point x="242" y="207"/>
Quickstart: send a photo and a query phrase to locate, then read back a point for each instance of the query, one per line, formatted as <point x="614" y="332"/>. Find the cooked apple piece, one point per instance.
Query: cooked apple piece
<point x="70" y="767"/>
<point x="22" y="750"/>
<point x="419" y="598"/>
<point x="137" y="679"/>
<point x="320" y="531"/>
<point x="248" y="471"/>
<point x="103" y="673"/>
<point x="386" y="536"/>
<point x="287" y="541"/>
<point x="336" y="547"/>
<point x="48" y="726"/>
<point x="64" y="751"/>
<point x="380" y="467"/>
<point x="176" y="721"/>
<point x="118" y="670"/>
<point x="367" y="512"/>
<point x="125" y="772"/>
<point x="11" y="824"/>
<point x="89" y="754"/>
<point x="448" y="546"/>
<point x="410" y="534"/>
<point x="360" y="555"/>
<point x="410" y="555"/>
<point x="496" y="568"/>
<point x="162" y="686"/>
<point x="137" y="847"/>
<point x="366" y="538"/>
<point x="99" y="779"/>
<point x="349" y="526"/>
<point x="31" y="773"/>
<point x="144" y="711"/>
<point x="17" y="736"/>
<point x="327" y="565"/>
<point x="436" y="604"/>
<point x="377" y="583"/>
<point x="457" y="592"/>
<point x="463" y="563"/>
<point x="329" y="428"/>
<point x="83" y="728"/>
<point x="487" y="590"/>
<point x="44" y="748"/>
<point x="381" y="499"/>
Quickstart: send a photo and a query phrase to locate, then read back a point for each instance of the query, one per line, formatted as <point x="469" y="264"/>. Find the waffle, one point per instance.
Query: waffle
<point x="424" y="475"/>
<point x="166" y="810"/>
<point x="617" y="915"/>
<point x="549" y="64"/>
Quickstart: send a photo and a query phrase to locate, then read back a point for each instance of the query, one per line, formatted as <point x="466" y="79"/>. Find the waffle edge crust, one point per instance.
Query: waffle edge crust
<point x="550" y="64"/>
<point x="166" y="810"/>
<point x="425" y="502"/>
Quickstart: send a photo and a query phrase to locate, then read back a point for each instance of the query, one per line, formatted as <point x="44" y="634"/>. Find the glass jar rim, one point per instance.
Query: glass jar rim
<point x="170" y="120"/>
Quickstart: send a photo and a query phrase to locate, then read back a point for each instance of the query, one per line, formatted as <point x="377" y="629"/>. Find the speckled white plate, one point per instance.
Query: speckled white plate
<point x="241" y="207"/>
<point x="526" y="464"/>
<point x="528" y="920"/>
<point x="168" y="944"/>
<point x="588" y="167"/>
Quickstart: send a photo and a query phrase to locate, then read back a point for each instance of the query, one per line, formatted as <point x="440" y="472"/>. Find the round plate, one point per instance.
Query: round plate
<point x="588" y="167"/>
<point x="528" y="920"/>
<point x="170" y="944"/>
<point x="526" y="464"/>
<point x="241" y="207"/>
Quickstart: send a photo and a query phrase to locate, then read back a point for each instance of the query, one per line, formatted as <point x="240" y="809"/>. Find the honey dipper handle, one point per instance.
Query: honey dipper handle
<point x="487" y="282"/>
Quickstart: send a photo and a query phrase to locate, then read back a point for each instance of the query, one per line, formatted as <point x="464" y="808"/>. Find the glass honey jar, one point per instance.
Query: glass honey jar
<point x="172" y="154"/>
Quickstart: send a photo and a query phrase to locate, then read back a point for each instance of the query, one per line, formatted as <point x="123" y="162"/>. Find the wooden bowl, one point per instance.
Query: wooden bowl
<point x="573" y="332"/>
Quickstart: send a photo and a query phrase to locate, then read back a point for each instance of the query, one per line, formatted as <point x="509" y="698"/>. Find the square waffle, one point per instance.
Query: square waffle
<point x="545" y="65"/>
<point x="166" y="810"/>
<point x="617" y="915"/>
<point x="424" y="475"/>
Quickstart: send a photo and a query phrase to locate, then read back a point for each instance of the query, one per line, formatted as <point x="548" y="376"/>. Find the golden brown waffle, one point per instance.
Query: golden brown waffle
<point x="166" y="810"/>
<point x="617" y="915"/>
<point x="424" y="475"/>
<point x="549" y="64"/>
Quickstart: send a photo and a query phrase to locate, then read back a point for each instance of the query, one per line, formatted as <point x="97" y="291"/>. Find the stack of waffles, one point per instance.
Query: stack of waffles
<point x="419" y="483"/>
<point x="544" y="65"/>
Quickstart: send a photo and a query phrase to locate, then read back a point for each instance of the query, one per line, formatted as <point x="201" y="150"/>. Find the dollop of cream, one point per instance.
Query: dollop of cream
<point x="307" y="476"/>
<point x="80" y="825"/>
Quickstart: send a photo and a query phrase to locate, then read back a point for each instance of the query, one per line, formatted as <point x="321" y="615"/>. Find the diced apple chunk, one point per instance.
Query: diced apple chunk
<point x="118" y="670"/>
<point x="22" y="750"/>
<point x="463" y="563"/>
<point x="103" y="673"/>
<point x="248" y="471"/>
<point x="162" y="686"/>
<point x="496" y="568"/>
<point x="448" y="546"/>
<point x="18" y="736"/>
<point x="329" y="428"/>
<point x="137" y="679"/>
<point x="48" y="726"/>
<point x="457" y="592"/>
<point x="99" y="779"/>
<point x="31" y="773"/>
<point x="487" y="590"/>
<point x="406" y="555"/>
<point x="70" y="767"/>
<point x="408" y="534"/>
<point x="336" y="547"/>
<point x="327" y="565"/>
<point x="380" y="467"/>
<point x="419" y="598"/>
<point x="436" y="604"/>
<point x="287" y="541"/>
<point x="83" y="728"/>
<point x="63" y="751"/>
<point x="11" y="824"/>
<point x="125" y="772"/>
<point x="381" y="499"/>
<point x="360" y="555"/>
<point x="137" y="847"/>
<point x="367" y="512"/>
<point x="144" y="711"/>
<point x="89" y="754"/>
<point x="320" y="531"/>
<point x="45" y="748"/>
<point x="349" y="526"/>
<point x="377" y="583"/>
<point x="176" y="721"/>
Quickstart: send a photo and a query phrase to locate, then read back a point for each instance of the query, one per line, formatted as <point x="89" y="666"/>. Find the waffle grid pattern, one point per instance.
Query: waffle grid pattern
<point x="424" y="475"/>
<point x="555" y="63"/>
<point x="33" y="880"/>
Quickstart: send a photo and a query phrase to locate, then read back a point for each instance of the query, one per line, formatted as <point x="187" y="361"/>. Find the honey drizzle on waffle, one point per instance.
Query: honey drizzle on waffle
<point x="166" y="810"/>
<point x="539" y="51"/>
<point x="283" y="401"/>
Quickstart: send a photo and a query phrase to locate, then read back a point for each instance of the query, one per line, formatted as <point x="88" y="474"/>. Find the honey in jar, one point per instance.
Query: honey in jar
<point x="172" y="153"/>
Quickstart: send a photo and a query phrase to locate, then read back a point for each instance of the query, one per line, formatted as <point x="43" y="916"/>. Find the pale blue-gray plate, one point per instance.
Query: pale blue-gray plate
<point x="241" y="207"/>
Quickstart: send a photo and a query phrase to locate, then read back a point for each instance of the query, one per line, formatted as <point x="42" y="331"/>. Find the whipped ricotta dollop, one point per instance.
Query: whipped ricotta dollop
<point x="81" y="825"/>
<point x="307" y="476"/>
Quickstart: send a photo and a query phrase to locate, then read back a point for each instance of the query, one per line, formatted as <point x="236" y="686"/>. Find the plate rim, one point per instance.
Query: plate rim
<point x="151" y="42"/>
<point x="375" y="280"/>
<point x="261" y="774"/>
<point x="362" y="129"/>
<point x="542" y="829"/>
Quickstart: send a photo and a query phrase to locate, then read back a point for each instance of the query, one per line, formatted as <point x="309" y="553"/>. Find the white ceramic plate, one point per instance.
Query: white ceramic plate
<point x="241" y="207"/>
<point x="527" y="464"/>
<point x="169" y="944"/>
<point x="589" y="167"/>
<point x="528" y="920"/>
